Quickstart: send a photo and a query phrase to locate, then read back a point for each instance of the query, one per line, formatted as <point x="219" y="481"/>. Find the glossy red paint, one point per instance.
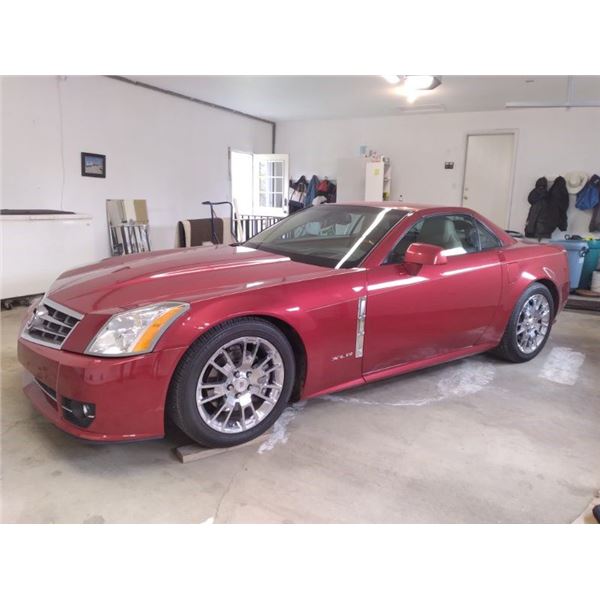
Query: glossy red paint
<point x="424" y="254"/>
<point x="417" y="315"/>
<point x="444" y="308"/>
<point x="129" y="393"/>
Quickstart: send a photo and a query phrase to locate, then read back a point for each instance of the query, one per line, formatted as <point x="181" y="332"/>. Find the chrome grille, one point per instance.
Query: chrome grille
<point x="51" y="324"/>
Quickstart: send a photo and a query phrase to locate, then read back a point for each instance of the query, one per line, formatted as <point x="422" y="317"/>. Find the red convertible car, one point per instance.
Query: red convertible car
<point x="222" y="338"/>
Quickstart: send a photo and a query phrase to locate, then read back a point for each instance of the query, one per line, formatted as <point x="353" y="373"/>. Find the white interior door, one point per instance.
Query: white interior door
<point x="488" y="176"/>
<point x="271" y="179"/>
<point x="242" y="184"/>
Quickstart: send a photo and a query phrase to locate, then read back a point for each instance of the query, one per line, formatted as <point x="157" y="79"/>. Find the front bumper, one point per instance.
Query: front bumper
<point x="128" y="393"/>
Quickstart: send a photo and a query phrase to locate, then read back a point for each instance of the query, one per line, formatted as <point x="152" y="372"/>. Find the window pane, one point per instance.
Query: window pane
<point x="278" y="185"/>
<point x="455" y="234"/>
<point x="277" y="169"/>
<point x="411" y="236"/>
<point x="467" y="234"/>
<point x="440" y="231"/>
<point x="486" y="238"/>
<point x="328" y="235"/>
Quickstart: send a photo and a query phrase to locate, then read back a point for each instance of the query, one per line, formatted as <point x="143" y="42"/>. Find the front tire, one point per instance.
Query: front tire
<point x="529" y="325"/>
<point x="233" y="383"/>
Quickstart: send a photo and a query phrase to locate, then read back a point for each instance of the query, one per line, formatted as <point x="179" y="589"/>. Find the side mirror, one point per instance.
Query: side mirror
<point x="425" y="254"/>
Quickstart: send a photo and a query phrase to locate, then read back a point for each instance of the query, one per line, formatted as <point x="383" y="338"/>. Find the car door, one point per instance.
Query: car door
<point x="414" y="312"/>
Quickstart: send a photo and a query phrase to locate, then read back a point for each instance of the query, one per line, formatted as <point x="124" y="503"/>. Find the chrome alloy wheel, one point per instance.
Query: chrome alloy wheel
<point x="533" y="323"/>
<point x="240" y="384"/>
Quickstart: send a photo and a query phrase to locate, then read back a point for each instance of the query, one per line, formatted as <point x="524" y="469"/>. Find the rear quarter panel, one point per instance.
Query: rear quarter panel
<point x="525" y="263"/>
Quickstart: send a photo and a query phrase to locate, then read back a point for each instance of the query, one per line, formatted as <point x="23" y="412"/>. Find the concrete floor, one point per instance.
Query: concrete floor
<point x="477" y="440"/>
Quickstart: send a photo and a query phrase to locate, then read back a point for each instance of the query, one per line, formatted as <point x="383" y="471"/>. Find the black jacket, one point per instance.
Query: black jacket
<point x="559" y="202"/>
<point x="548" y="208"/>
<point x="538" y="198"/>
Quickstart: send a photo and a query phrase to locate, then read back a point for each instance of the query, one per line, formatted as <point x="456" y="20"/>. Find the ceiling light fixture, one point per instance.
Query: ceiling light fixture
<point x="409" y="94"/>
<point x="393" y="79"/>
<point x="415" y="86"/>
<point x="421" y="82"/>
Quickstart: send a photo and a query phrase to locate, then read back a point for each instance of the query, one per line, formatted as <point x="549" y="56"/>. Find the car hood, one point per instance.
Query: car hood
<point x="189" y="275"/>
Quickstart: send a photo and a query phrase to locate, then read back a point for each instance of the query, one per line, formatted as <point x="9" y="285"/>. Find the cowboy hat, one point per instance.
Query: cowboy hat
<point x="575" y="181"/>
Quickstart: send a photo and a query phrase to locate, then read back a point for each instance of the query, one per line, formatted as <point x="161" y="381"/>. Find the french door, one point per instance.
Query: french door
<point x="271" y="182"/>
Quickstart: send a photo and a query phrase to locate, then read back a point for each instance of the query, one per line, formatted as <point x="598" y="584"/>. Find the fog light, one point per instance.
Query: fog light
<point x="81" y="414"/>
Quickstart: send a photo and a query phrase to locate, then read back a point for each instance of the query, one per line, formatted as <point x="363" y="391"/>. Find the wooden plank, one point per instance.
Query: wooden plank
<point x="577" y="302"/>
<point x="193" y="452"/>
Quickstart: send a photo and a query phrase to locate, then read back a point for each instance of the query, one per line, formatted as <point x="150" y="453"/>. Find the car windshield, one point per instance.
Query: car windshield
<point x="330" y="235"/>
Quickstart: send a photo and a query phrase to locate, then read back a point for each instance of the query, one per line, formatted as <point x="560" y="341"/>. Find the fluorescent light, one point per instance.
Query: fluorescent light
<point x="393" y="79"/>
<point x="421" y="82"/>
<point x="423" y="108"/>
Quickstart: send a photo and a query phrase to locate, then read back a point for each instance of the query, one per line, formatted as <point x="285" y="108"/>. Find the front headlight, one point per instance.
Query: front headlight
<point x="135" y="331"/>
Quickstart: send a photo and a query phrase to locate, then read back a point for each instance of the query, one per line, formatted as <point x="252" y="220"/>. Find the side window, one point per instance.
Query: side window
<point x="487" y="239"/>
<point x="456" y="234"/>
<point x="412" y="235"/>
<point x="466" y="232"/>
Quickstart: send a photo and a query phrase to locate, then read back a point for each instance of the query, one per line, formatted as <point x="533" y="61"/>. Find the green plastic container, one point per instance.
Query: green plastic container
<point x="590" y="264"/>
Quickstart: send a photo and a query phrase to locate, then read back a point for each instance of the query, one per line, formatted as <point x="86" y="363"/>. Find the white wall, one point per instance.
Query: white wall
<point x="549" y="142"/>
<point x="169" y="151"/>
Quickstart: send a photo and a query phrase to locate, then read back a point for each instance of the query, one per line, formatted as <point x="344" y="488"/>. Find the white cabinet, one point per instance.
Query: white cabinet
<point x="36" y="249"/>
<point x="378" y="180"/>
<point x="363" y="179"/>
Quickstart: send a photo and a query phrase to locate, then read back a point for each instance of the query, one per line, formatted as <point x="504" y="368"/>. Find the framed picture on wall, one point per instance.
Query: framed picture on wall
<point x="93" y="165"/>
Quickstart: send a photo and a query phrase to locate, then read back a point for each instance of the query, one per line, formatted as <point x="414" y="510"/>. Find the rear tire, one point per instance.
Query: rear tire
<point x="247" y="365"/>
<point x="529" y="325"/>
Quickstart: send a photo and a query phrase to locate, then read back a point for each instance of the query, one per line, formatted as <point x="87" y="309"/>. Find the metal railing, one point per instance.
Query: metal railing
<point x="247" y="226"/>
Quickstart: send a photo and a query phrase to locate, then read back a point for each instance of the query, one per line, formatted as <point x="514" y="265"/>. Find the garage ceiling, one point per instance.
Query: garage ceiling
<point x="284" y="98"/>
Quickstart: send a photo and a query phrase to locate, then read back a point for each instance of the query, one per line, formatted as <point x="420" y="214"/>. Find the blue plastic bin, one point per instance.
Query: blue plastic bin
<point x="576" y="251"/>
